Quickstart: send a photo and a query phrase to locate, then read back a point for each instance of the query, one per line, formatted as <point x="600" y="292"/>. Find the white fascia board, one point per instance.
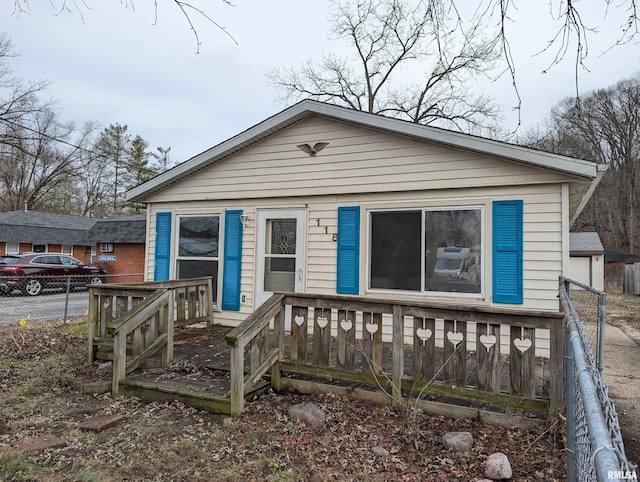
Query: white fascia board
<point x="305" y="108"/>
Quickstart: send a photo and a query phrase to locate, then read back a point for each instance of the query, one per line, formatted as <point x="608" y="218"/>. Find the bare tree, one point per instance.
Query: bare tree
<point x="39" y="163"/>
<point x="189" y="9"/>
<point x="604" y="126"/>
<point x="18" y="99"/>
<point x="389" y="38"/>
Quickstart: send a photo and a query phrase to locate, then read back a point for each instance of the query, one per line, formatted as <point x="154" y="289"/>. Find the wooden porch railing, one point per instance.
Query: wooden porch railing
<point x="145" y="330"/>
<point x="128" y="323"/>
<point x="192" y="303"/>
<point x="482" y="355"/>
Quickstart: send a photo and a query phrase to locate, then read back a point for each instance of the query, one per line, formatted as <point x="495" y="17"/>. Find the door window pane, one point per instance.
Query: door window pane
<point x="280" y="255"/>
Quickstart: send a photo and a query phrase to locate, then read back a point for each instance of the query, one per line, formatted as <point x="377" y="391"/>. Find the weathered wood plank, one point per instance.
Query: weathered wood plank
<point x="397" y="368"/>
<point x="556" y="387"/>
<point x="181" y="304"/>
<point x="424" y="348"/>
<point x="372" y="343"/>
<point x="488" y="355"/>
<point x="237" y="379"/>
<point x="346" y="339"/>
<point x="167" y="319"/>
<point x="135" y="362"/>
<point x="522" y="359"/>
<point x="438" y="408"/>
<point x="278" y="334"/>
<point x="298" y="341"/>
<point x="321" y="336"/>
<point x="423" y="388"/>
<point x="94" y="319"/>
<point x="255" y="322"/>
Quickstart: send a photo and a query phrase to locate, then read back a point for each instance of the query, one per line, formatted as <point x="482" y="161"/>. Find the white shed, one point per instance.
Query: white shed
<point x="586" y="259"/>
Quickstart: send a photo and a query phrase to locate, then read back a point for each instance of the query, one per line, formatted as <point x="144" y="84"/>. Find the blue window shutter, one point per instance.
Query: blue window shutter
<point x="232" y="270"/>
<point x="162" y="258"/>
<point x="348" y="272"/>
<point x="507" y="252"/>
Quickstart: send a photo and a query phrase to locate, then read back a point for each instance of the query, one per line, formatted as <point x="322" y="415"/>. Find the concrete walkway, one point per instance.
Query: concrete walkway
<point x="622" y="374"/>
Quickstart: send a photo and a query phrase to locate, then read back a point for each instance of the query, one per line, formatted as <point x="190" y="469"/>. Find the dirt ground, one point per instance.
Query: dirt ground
<point x="40" y="366"/>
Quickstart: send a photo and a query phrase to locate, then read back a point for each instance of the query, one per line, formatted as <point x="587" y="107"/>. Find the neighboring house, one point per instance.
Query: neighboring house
<point x="120" y="245"/>
<point x="387" y="209"/>
<point x="587" y="259"/>
<point x="40" y="232"/>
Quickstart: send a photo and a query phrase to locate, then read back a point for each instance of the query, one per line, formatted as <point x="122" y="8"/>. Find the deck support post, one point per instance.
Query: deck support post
<point x="93" y="322"/>
<point x="237" y="379"/>
<point x="119" y="360"/>
<point x="278" y="331"/>
<point x="167" y="313"/>
<point x="556" y="384"/>
<point x="397" y="369"/>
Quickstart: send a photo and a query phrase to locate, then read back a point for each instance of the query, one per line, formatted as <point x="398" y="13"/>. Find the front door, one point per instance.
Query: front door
<point x="281" y="245"/>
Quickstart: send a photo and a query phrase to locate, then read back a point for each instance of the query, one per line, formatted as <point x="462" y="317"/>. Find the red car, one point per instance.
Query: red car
<point x="33" y="272"/>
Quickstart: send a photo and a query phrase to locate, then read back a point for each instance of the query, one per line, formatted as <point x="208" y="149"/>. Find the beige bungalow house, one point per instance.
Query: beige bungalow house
<point x="327" y="200"/>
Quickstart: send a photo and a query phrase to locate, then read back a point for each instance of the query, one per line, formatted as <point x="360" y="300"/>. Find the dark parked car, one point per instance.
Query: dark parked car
<point x="31" y="273"/>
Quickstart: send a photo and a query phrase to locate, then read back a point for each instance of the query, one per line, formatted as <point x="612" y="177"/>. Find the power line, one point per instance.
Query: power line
<point x="55" y="139"/>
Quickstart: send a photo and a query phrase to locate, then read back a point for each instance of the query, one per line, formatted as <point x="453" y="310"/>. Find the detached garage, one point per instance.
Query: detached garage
<point x="587" y="259"/>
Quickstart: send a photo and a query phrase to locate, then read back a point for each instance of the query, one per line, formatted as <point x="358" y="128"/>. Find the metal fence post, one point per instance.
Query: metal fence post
<point x="66" y="299"/>
<point x="602" y="310"/>
<point x="570" y="401"/>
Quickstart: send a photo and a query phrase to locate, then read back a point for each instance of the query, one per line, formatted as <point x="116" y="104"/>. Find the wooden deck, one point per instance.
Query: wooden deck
<point x="469" y="362"/>
<point x="199" y="375"/>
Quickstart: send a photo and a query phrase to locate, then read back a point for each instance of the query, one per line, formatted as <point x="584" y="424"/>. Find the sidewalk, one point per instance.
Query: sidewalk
<point x="622" y="374"/>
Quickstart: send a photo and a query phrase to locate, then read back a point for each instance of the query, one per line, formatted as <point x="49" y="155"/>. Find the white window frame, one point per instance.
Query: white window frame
<point x="8" y="248"/>
<point x="67" y="249"/>
<point x="218" y="258"/>
<point x="484" y="255"/>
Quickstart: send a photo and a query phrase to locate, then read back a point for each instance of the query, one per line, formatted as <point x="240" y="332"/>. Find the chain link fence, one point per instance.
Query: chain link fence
<point x="51" y="297"/>
<point x="590" y="305"/>
<point x="595" y="449"/>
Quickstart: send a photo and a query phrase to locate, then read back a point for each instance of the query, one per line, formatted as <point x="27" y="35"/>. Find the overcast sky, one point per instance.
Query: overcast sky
<point x="115" y="65"/>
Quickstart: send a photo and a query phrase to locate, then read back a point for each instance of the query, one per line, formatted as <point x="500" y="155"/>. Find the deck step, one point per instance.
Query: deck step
<point x="209" y="395"/>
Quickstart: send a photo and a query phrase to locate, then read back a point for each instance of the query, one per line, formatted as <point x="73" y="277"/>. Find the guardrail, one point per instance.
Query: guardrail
<point x="408" y="349"/>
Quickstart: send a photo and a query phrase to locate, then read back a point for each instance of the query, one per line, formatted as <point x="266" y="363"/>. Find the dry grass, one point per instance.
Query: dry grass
<point x="172" y="442"/>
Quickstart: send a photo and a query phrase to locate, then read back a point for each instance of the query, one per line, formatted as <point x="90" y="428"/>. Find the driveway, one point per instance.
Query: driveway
<point x="621" y="362"/>
<point x="48" y="306"/>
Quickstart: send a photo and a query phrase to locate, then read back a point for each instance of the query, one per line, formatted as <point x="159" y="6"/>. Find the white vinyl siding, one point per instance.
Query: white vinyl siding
<point x="542" y="239"/>
<point x="357" y="160"/>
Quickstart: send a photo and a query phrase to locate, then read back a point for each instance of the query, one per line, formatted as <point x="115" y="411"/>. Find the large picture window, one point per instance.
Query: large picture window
<point x="198" y="248"/>
<point x="427" y="250"/>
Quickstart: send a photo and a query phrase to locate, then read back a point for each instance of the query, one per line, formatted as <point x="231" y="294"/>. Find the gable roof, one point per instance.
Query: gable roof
<point x="585" y="244"/>
<point x="127" y="230"/>
<point x="577" y="168"/>
<point x="44" y="228"/>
